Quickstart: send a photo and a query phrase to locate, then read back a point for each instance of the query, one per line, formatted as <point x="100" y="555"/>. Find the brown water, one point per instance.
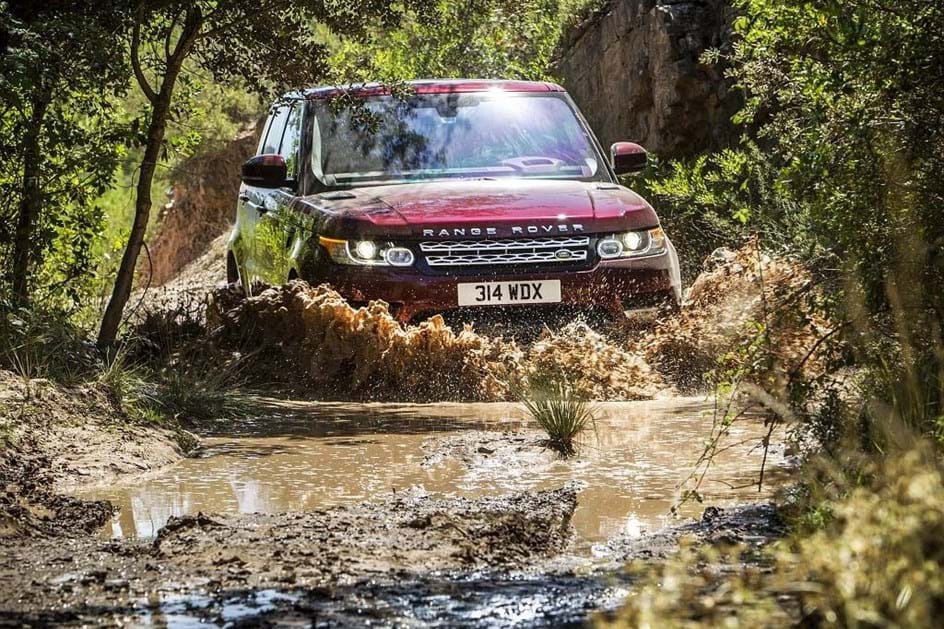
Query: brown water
<point x="300" y="456"/>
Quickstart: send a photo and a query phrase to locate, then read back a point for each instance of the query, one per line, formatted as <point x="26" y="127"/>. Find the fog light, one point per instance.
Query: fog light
<point x="610" y="249"/>
<point x="365" y="249"/>
<point x="399" y="256"/>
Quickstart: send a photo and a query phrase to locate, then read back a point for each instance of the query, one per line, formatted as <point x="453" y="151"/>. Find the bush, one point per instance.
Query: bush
<point x="876" y="563"/>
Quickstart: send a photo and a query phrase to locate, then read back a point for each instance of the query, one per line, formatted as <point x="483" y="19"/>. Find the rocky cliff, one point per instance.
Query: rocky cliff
<point x="634" y="68"/>
<point x="202" y="205"/>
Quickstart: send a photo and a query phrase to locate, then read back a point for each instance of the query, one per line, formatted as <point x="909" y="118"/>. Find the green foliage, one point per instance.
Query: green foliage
<point x="840" y="163"/>
<point x="562" y="415"/>
<point x="500" y="39"/>
<point x="58" y="146"/>
<point x="874" y="562"/>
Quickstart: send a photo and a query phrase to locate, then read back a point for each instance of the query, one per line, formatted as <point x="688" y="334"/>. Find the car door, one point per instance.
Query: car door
<point x="265" y="211"/>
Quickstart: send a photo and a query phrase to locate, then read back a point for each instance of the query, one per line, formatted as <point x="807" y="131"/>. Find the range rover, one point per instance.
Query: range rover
<point x="449" y="195"/>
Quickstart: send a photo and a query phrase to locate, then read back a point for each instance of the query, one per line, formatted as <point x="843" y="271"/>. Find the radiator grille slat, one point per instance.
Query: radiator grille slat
<point x="550" y="250"/>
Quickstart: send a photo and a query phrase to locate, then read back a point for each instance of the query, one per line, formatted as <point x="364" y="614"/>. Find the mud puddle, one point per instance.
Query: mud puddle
<point x="303" y="456"/>
<point x="318" y="514"/>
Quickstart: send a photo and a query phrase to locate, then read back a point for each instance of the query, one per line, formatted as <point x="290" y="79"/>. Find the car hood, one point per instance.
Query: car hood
<point x="494" y="207"/>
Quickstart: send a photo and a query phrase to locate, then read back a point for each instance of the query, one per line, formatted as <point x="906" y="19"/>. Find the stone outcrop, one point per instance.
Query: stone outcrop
<point x="635" y="70"/>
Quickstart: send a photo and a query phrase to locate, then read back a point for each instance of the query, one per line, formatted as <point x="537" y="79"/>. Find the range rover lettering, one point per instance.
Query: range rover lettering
<point x="461" y="193"/>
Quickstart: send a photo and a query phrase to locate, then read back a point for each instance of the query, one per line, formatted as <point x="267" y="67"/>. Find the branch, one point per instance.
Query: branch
<point x="135" y="61"/>
<point x="191" y="32"/>
<point x="170" y="34"/>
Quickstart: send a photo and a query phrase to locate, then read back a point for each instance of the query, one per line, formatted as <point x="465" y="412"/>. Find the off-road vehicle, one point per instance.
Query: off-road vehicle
<point x="445" y="195"/>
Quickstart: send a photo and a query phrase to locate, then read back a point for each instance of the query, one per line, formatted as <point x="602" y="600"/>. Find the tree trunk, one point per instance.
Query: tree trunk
<point x="160" y="109"/>
<point x="30" y="201"/>
<point x="124" y="280"/>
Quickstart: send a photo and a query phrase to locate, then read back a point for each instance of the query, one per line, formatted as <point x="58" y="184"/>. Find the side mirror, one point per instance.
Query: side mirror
<point x="627" y="157"/>
<point x="265" y="171"/>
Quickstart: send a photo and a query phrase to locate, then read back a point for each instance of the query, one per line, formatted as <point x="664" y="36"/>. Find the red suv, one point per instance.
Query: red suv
<point x="445" y="195"/>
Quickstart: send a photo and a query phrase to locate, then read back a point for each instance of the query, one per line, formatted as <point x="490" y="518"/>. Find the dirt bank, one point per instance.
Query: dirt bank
<point x="202" y="202"/>
<point x="56" y="438"/>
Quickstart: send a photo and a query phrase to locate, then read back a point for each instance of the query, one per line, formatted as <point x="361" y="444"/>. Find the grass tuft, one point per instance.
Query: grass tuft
<point x="126" y="382"/>
<point x="562" y="415"/>
<point x="202" y="392"/>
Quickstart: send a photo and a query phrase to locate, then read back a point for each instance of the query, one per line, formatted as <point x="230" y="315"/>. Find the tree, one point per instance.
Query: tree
<point x="268" y="44"/>
<point x="60" y="67"/>
<point x="502" y="39"/>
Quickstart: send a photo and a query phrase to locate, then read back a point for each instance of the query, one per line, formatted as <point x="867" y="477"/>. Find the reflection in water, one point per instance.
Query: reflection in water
<point x="308" y="456"/>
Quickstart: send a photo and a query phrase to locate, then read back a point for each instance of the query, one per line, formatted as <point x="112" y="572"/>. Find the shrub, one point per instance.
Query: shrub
<point x="563" y="416"/>
<point x="875" y="564"/>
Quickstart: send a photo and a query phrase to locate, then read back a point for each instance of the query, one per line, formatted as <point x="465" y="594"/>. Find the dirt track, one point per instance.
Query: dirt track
<point x="392" y="556"/>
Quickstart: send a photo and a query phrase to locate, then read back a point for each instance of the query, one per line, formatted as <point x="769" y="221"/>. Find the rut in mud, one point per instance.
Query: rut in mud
<point x="320" y="341"/>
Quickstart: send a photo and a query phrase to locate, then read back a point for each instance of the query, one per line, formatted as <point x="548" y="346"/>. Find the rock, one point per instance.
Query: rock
<point x="635" y="70"/>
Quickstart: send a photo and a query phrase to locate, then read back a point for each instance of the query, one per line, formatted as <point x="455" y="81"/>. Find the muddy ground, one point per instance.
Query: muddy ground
<point x="403" y="558"/>
<point x="406" y="557"/>
<point x="408" y="560"/>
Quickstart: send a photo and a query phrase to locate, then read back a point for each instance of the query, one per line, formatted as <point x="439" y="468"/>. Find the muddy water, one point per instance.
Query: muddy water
<point x="299" y="456"/>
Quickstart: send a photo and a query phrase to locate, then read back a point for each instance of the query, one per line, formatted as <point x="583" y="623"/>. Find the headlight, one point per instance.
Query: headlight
<point x="632" y="244"/>
<point x="366" y="252"/>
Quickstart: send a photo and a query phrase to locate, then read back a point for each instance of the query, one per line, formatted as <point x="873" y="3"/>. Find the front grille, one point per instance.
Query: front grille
<point x="558" y="250"/>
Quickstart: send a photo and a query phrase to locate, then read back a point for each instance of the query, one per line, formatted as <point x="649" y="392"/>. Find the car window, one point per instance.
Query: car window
<point x="262" y="138"/>
<point x="451" y="135"/>
<point x="291" y="139"/>
<point x="273" y="136"/>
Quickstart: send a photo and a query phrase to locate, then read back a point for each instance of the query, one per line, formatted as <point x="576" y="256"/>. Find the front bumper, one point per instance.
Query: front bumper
<point x="613" y="285"/>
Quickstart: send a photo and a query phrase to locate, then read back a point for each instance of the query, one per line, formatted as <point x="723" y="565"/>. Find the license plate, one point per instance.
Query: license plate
<point x="496" y="293"/>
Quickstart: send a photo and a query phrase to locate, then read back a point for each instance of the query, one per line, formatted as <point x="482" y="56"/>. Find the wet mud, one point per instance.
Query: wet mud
<point x="301" y="456"/>
<point x="394" y="513"/>
<point x="312" y="338"/>
<point x="434" y="570"/>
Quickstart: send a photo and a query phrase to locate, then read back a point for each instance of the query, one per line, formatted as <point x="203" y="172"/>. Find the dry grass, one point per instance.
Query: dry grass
<point x="876" y="563"/>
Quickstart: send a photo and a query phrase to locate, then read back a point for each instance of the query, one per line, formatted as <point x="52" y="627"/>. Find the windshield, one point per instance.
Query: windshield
<point x="386" y="139"/>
